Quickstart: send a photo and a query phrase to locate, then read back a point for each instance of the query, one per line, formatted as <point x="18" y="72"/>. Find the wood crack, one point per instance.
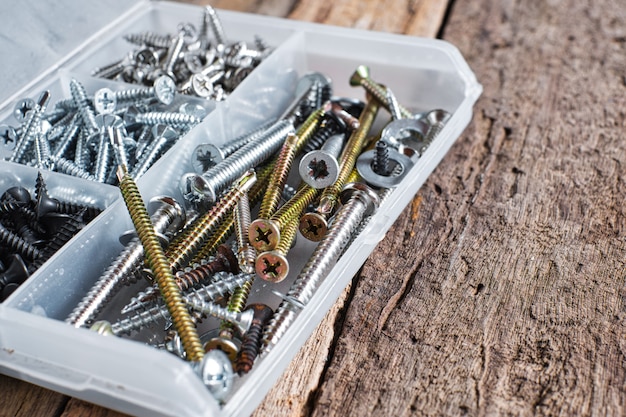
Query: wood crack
<point x="396" y="299"/>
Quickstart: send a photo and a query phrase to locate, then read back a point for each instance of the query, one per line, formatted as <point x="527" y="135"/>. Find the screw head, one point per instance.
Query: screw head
<point x="361" y="73"/>
<point x="165" y="89"/>
<point x="319" y="169"/>
<point x="205" y="156"/>
<point x="216" y="372"/>
<point x="8" y="136"/>
<point x="22" y="108"/>
<point x="437" y="116"/>
<point x="102" y="327"/>
<point x="201" y="85"/>
<point x="104" y="101"/>
<point x="264" y="234"/>
<point x="229" y="346"/>
<point x="313" y="226"/>
<point x="272" y="266"/>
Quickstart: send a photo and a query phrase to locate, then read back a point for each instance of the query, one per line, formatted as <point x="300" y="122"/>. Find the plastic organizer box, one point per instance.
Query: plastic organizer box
<point x="128" y="375"/>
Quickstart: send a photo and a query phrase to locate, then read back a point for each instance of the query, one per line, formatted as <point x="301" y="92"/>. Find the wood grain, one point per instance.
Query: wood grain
<point x="500" y="289"/>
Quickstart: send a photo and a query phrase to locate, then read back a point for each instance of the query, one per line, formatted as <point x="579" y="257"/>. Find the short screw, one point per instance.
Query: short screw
<point x="320" y="168"/>
<point x="164" y="137"/>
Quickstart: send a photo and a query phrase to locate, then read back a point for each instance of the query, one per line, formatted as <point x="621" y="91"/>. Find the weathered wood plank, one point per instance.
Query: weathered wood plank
<point x="507" y="297"/>
<point x="21" y="399"/>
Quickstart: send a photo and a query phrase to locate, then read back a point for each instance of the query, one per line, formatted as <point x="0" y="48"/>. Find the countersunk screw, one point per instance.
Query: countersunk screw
<point x="361" y="77"/>
<point x="437" y="119"/>
<point x="320" y="168"/>
<point x="210" y="16"/>
<point x="359" y="201"/>
<point x="313" y="226"/>
<point x="22" y="108"/>
<point x="265" y="233"/>
<point x="159" y="265"/>
<point x="282" y="166"/>
<point x="252" y="340"/>
<point x="168" y="214"/>
<point x="273" y="265"/>
<point x="30" y="128"/>
<point x="241" y="320"/>
<point x="79" y="95"/>
<point x="394" y="106"/>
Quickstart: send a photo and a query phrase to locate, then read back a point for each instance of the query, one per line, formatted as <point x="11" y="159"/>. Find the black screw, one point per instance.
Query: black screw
<point x="251" y="343"/>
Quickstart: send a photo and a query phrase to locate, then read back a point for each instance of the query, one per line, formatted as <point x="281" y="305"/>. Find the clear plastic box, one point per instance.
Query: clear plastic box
<point x="122" y="374"/>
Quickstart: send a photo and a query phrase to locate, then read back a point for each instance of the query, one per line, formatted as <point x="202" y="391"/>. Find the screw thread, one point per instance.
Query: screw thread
<point x="292" y="208"/>
<point x="282" y="166"/>
<point x="149" y="39"/>
<point x="321" y="262"/>
<point x="349" y="156"/>
<point x="134" y="94"/>
<point x="240" y="320"/>
<point x="70" y="227"/>
<point x="79" y="95"/>
<point x="176" y="120"/>
<point x="214" y="21"/>
<point x="380" y="94"/>
<point x="69" y="136"/>
<point x="150" y="155"/>
<point x="381" y="158"/>
<point x="160" y="267"/>
<point x="30" y="128"/>
<point x="248" y="156"/>
<point x="103" y="159"/>
<point x="109" y="71"/>
<point x="17" y="244"/>
<point x="122" y="267"/>
<point x="68" y="167"/>
<point x="197" y="234"/>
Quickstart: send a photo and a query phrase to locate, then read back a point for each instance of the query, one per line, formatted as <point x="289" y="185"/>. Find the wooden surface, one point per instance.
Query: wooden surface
<point x="500" y="289"/>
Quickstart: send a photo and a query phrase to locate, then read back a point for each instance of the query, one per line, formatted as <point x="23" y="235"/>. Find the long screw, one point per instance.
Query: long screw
<point x="361" y="202"/>
<point x="318" y="221"/>
<point x="169" y="215"/>
<point x="195" y="236"/>
<point x="252" y="340"/>
<point x="159" y="265"/>
<point x="361" y="77"/>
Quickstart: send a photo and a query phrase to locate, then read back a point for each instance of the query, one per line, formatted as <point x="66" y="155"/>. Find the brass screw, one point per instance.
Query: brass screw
<point x="159" y="265"/>
<point x="273" y="265"/>
<point x="265" y="233"/>
<point x="313" y="226"/>
<point x="361" y="77"/>
<point x="278" y="179"/>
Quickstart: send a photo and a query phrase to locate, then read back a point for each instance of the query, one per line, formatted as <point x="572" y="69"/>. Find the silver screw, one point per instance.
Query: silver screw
<point x="320" y="168"/>
<point x="167" y="216"/>
<point x="361" y="202"/>
<point x="208" y="185"/>
<point x="30" y="128"/>
<point x="87" y="113"/>
<point x="165" y="136"/>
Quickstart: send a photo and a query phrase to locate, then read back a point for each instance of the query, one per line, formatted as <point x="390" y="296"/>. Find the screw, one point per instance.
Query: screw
<point x="314" y="225"/>
<point x="320" y="168"/>
<point x="210" y="16"/>
<point x="22" y="108"/>
<point x="437" y="119"/>
<point x="167" y="215"/>
<point x="79" y="95"/>
<point x="394" y="106"/>
<point x="282" y="166"/>
<point x="160" y="266"/>
<point x="207" y="186"/>
<point x="252" y="340"/>
<point x="180" y="254"/>
<point x="30" y="128"/>
<point x="273" y="265"/>
<point x="361" y="77"/>
<point x="173" y="119"/>
<point x="265" y="233"/>
<point x="359" y="201"/>
<point x="241" y="320"/>
<point x="165" y="136"/>
<point x="216" y="373"/>
<point x="12" y="277"/>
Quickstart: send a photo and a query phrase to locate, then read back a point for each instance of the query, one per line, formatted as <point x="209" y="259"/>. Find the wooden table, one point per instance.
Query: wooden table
<point x="500" y="289"/>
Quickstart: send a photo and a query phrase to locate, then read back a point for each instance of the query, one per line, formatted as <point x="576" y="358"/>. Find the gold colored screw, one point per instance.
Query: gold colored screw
<point x="313" y="226"/>
<point x="159" y="265"/>
<point x="273" y="265"/>
<point x="196" y="235"/>
<point x="282" y="166"/>
<point x="361" y="77"/>
<point x="266" y="233"/>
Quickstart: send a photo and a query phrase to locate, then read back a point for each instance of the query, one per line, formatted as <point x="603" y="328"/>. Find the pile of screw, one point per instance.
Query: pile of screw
<point x="342" y="184"/>
<point x="32" y="229"/>
<point x="85" y="136"/>
<point x="201" y="64"/>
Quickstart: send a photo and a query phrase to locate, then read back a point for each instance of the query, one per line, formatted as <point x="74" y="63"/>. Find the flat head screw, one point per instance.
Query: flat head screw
<point x="320" y="168"/>
<point x="359" y="201"/>
<point x="160" y="267"/>
<point x="361" y="77"/>
<point x="318" y="221"/>
<point x="273" y="266"/>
